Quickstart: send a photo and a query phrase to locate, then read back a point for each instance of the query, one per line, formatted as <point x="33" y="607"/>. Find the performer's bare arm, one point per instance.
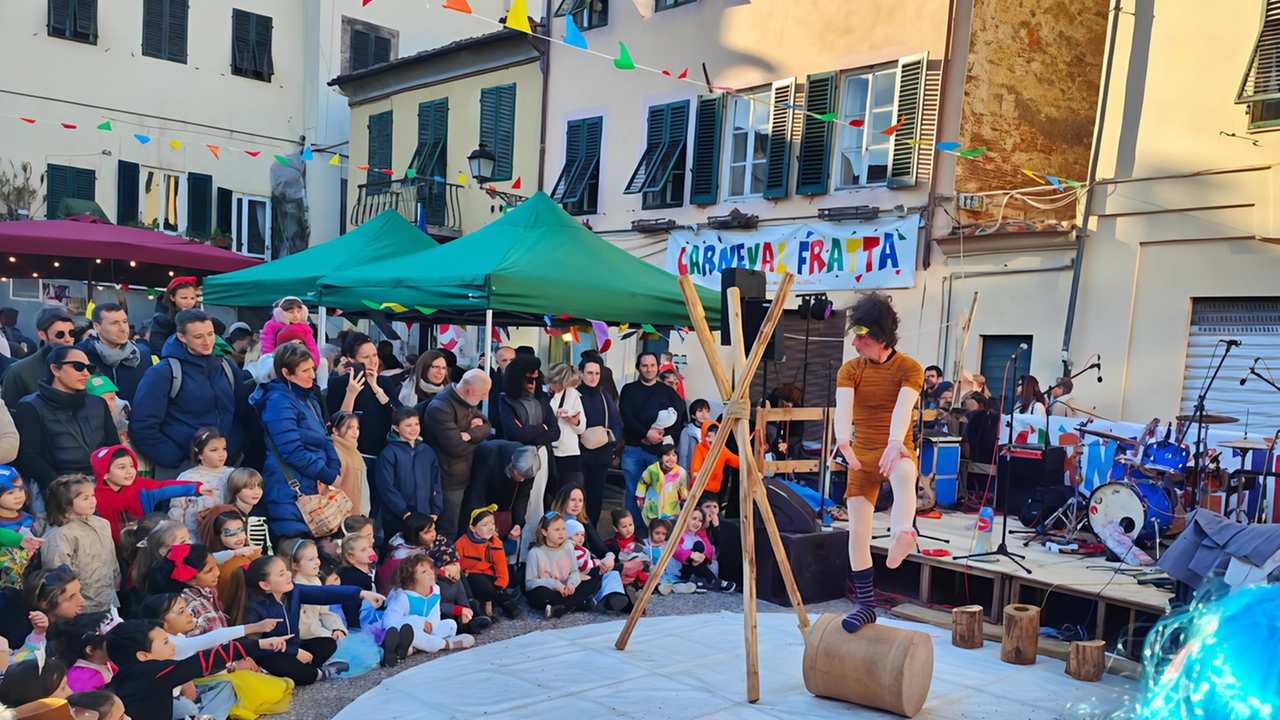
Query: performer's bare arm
<point x="843" y="426"/>
<point x="899" y="426"/>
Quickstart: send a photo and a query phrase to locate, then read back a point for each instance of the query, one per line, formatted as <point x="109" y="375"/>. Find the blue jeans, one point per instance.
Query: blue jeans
<point x="634" y="462"/>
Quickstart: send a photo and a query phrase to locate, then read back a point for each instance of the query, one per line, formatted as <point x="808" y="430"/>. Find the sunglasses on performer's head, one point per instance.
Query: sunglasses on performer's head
<point x="859" y="330"/>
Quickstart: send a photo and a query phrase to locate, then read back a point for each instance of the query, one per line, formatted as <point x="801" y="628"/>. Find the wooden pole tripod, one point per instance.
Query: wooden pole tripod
<point x="737" y="414"/>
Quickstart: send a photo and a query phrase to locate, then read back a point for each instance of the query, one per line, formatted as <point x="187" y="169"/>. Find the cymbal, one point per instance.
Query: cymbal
<point x="1109" y="436"/>
<point x="1208" y="419"/>
<point x="1244" y="445"/>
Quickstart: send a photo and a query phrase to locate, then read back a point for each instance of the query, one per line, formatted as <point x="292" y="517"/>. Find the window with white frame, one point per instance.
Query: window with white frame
<point x="252" y="221"/>
<point x="862" y="153"/>
<point x="749" y="143"/>
<point x="165" y="200"/>
<point x="24" y="289"/>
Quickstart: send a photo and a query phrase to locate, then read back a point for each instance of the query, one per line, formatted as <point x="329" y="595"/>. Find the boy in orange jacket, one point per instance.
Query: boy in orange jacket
<point x="700" y="452"/>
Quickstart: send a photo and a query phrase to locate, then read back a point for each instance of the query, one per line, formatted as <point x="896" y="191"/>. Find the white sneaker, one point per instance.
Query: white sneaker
<point x="460" y="642"/>
<point x="685" y="588"/>
<point x="664" y="588"/>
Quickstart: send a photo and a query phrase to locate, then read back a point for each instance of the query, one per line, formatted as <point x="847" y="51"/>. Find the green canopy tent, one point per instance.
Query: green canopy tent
<point x="387" y="237"/>
<point x="536" y="260"/>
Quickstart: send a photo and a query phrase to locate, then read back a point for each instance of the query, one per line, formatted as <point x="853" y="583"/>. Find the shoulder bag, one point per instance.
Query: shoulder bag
<point x="324" y="511"/>
<point x="598" y="435"/>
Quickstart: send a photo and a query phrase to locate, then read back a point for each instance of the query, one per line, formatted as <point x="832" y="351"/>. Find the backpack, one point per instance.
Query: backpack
<point x="175" y="369"/>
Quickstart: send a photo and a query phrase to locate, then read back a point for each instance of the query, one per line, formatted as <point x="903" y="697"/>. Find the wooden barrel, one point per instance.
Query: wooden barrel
<point x="878" y="666"/>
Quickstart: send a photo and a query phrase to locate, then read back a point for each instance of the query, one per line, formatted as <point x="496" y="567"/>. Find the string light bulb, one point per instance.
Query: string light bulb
<point x="57" y="264"/>
<point x="13" y="259"/>
<point x="99" y="261"/>
<point x="133" y="263"/>
<point x="170" y="273"/>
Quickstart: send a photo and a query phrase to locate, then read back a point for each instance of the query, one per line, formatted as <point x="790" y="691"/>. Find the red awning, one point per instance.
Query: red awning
<point x="75" y="249"/>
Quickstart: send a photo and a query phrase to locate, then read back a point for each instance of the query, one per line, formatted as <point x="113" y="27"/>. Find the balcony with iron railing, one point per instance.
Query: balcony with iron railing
<point x="423" y="202"/>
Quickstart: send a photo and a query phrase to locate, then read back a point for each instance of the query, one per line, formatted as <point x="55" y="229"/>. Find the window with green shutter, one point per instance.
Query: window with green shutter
<point x="379" y="153"/>
<point x="814" y="162"/>
<point x="164" y="29"/>
<point x="224" y="221"/>
<point x="127" y="174"/>
<point x="578" y="186"/>
<point x="660" y="172"/>
<point x="778" y="172"/>
<point x="705" y="182"/>
<point x="199" y="205"/>
<point x="907" y="105"/>
<point x="74" y="20"/>
<point x="251" y="45"/>
<point x="66" y="182"/>
<point x="1261" y="81"/>
<point x="431" y="156"/>
<point x="368" y="49"/>
<point x="498" y="127"/>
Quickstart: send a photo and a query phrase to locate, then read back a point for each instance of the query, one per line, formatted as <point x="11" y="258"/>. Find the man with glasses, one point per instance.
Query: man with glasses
<point x="55" y="327"/>
<point x="639" y="405"/>
<point x="111" y="350"/>
<point x="60" y="423"/>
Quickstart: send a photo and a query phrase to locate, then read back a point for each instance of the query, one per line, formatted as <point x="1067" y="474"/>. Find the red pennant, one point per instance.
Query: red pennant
<point x="69" y="126"/>
<point x="460" y="5"/>
<point x="857" y="278"/>
<point x="29" y="121"/>
<point x="893" y="128"/>
<point x="566" y="316"/>
<point x="667" y="73"/>
<point x="604" y="346"/>
<point x="683" y="75"/>
<point x="388" y="172"/>
<point x="898" y="271"/>
<point x="516" y="185"/>
<point x="362" y="167"/>
<point x="365" y="3"/>
<point x="855" y="123"/>
<point x="253" y="153"/>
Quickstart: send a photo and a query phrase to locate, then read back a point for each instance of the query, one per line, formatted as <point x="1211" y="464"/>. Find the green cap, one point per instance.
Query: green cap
<point x="101" y="385"/>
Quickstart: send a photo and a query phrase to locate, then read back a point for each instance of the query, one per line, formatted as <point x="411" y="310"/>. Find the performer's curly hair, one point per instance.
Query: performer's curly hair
<point x="875" y="312"/>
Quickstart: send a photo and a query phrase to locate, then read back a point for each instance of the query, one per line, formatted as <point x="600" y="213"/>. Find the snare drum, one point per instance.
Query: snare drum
<point x="1142" y="509"/>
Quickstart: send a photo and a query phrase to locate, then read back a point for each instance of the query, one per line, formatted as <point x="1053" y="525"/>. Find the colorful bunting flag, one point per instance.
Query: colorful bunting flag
<point x="364" y="3"/>
<point x="948" y="146"/>
<point x="423" y="310"/>
<point x="335" y="159"/>
<point x="600" y="329"/>
<point x="648" y="328"/>
<point x="894" y="127"/>
<point x="371" y="305"/>
<point x="437" y="178"/>
<point x="105" y="125"/>
<point x="1032" y="175"/>
<point x="565" y="316"/>
<point x="547" y="319"/>
<point x="459" y="5"/>
<point x="1055" y="182"/>
<point x="282" y="160"/>
<point x="253" y="153"/>
<point x="175" y="144"/>
<point x="1073" y="183"/>
<point x="572" y="35"/>
<point x="623" y="61"/>
<point x="462" y="179"/>
<point x="684" y="74"/>
<point x="516" y="185"/>
<point x="623" y="327"/>
<point x="395" y="307"/>
<point x="362" y="167"/>
<point x="518" y="17"/>
<point x="856" y="123"/>
<point x="306" y="151"/>
<point x="629" y="335"/>
<point x="142" y="139"/>
<point x="29" y="121"/>
<point x="972" y="152"/>
<point x="68" y="126"/>
<point x="604" y="346"/>
<point x="411" y="173"/>
<point x="827" y="117"/>
<point x="214" y="149"/>
<point x="913" y="142"/>
<point x="388" y="173"/>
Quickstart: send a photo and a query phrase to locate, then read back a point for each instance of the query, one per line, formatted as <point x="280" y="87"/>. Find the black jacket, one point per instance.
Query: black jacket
<point x="146" y="688"/>
<point x="517" y="426"/>
<point x="491" y="482"/>
<point x="162" y="328"/>
<point x="59" y="430"/>
<point x="24" y="376"/>
<point x="444" y="419"/>
<point x="126" y="378"/>
<point x="640" y="404"/>
<point x="375" y="418"/>
<point x="600" y="410"/>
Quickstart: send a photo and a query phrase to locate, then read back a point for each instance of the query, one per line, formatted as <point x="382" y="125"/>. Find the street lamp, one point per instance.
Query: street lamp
<point x="481" y="161"/>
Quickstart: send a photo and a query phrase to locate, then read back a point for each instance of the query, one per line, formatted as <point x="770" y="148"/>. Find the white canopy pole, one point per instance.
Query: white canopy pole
<point x="485" y="350"/>
<point x="321" y="327"/>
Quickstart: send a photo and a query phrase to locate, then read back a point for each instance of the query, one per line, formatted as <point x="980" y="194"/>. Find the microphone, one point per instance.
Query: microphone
<point x="1234" y="343"/>
<point x="1017" y="352"/>
<point x="1251" y="367"/>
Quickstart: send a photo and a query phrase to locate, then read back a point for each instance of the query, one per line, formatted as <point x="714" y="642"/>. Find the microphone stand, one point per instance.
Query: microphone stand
<point x="1197" y="417"/>
<point x="1262" y="377"/>
<point x="1049" y="393"/>
<point x="1003" y="547"/>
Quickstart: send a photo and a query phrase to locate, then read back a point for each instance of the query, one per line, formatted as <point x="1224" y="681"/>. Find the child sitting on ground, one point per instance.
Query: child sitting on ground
<point x="222" y="530"/>
<point x="552" y="580"/>
<point x="697" y="557"/>
<point x="123" y="495"/>
<point x="611" y="595"/>
<point x="659" y="531"/>
<point x="630" y="552"/>
<point x="154" y="546"/>
<point x="710" y="505"/>
<point x="80" y="643"/>
<point x="662" y="488"/>
<point x="285" y="312"/>
<point x="244" y="490"/>
<point x="709" y="430"/>
<point x="82" y="541"/>
<point x="192" y="572"/>
<point x="357" y="562"/>
<point x="209" y="452"/>
<point x="455" y="591"/>
<point x="484" y="560"/>
<point x="50" y="595"/>
<point x="313" y="620"/>
<point x="18" y="528"/>
<point x="413" y="610"/>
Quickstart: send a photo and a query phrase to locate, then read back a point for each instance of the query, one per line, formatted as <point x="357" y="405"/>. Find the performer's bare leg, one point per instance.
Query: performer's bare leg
<point x="902" y="536"/>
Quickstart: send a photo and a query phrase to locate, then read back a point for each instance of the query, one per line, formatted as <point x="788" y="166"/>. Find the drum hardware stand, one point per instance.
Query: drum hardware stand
<point x="1197" y="417"/>
<point x="1003" y="548"/>
<point x="1073" y="518"/>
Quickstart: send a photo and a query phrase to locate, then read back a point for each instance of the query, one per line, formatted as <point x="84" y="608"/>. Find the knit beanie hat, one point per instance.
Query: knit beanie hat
<point x="10" y="480"/>
<point x="101" y="385"/>
<point x="100" y="459"/>
<point x="299" y="332"/>
<point x="573" y="526"/>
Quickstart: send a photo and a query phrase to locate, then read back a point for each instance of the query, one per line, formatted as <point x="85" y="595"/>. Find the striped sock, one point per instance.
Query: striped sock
<point x="863" y="613"/>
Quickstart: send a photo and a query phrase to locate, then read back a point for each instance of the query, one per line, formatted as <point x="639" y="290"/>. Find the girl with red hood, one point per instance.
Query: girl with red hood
<point x="123" y="496"/>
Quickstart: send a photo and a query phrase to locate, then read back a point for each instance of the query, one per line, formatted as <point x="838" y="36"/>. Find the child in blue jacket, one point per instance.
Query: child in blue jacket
<point x="408" y="477"/>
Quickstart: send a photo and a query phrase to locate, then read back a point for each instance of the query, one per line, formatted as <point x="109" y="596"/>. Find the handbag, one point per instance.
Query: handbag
<point x="324" y="511"/>
<point x="502" y="519"/>
<point x="598" y="435"/>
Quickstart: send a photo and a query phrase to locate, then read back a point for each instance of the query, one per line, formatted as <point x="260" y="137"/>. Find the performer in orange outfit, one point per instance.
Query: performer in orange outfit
<point x="887" y="385"/>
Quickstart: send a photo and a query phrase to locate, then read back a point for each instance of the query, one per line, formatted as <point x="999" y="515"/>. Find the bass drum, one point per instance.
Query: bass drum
<point x="1142" y="510"/>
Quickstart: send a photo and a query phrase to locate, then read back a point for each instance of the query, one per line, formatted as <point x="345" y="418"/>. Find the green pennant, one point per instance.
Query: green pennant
<point x="975" y="152"/>
<point x="282" y="160"/>
<point x="624" y="61"/>
<point x="827" y="117"/>
<point x="410" y="173"/>
<point x="648" y="328"/>
<point x="423" y="310"/>
<point x="370" y="304"/>
<point x="1072" y="183"/>
<point x="106" y="125"/>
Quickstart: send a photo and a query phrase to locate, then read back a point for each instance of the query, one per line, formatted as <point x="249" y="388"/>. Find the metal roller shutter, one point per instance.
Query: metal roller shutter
<point x="1256" y="323"/>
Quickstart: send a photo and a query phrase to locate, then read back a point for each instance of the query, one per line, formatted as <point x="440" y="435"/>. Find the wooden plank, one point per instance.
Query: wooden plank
<point x="786" y="466"/>
<point x="751" y="475"/>
<point x="699" y="319"/>
<point x="748" y="525"/>
<point x="1048" y="647"/>
<point x="794" y="413"/>
<point x="736" y="340"/>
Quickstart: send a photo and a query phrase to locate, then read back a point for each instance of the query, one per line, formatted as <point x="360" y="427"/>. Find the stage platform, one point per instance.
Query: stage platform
<point x="693" y="666"/>
<point x="1121" y="601"/>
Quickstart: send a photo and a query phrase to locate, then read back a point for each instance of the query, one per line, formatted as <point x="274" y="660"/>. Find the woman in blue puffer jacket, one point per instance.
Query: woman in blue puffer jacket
<point x="293" y="418"/>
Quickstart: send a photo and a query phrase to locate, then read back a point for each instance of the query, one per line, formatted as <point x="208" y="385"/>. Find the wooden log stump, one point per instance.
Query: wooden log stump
<point x="1021" y="634"/>
<point x="1086" y="660"/>
<point x="966" y="627"/>
<point x="878" y="666"/>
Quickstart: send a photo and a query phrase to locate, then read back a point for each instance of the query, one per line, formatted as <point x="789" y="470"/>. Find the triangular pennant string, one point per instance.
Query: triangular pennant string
<point x="335" y="159"/>
<point x="518" y="17"/>
<point x="459" y="5"/>
<point x="573" y="36"/>
<point x="306" y="153"/>
<point x="214" y="149"/>
<point x="142" y="139"/>
<point x="624" y="61"/>
<point x="105" y="125"/>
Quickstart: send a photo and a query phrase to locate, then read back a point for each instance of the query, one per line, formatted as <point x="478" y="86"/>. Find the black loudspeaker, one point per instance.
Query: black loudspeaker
<point x="755" y="306"/>
<point x="790" y="511"/>
<point x="819" y="562"/>
<point x="1023" y="478"/>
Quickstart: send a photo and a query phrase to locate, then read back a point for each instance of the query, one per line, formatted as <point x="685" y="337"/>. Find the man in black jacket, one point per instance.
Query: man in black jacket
<point x="639" y="404"/>
<point x="502" y="357"/>
<point x="55" y="327"/>
<point x="454" y="426"/>
<point x="112" y="352"/>
<point x="501" y="474"/>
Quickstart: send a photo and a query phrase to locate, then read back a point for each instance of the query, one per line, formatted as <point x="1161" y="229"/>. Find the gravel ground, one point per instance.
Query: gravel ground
<point x="326" y="699"/>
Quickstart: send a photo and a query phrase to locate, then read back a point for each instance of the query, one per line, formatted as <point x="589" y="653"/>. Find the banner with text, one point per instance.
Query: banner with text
<point x="823" y="255"/>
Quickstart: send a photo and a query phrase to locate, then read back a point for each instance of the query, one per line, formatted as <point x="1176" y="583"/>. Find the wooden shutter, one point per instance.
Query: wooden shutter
<point x="433" y="137"/>
<point x="572" y="158"/>
<point x="241" y="42"/>
<point x="778" y="171"/>
<point x="84" y="184"/>
<point x="199" y="205"/>
<point x="379" y="149"/>
<point x="591" y="133"/>
<point x="381" y="51"/>
<point x="59" y="186"/>
<point x="1261" y="79"/>
<point x="126" y="192"/>
<point x="705" y="188"/>
<point x="497" y="127"/>
<point x="176" y="31"/>
<point x="655" y="141"/>
<point x="59" y="17"/>
<point x="676" y="131"/>
<point x="361" y="50"/>
<point x="86" y="20"/>
<point x="153" y="27"/>
<point x="262" y="46"/>
<point x="224" y="221"/>
<point x="906" y="107"/>
<point x="813" y="172"/>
